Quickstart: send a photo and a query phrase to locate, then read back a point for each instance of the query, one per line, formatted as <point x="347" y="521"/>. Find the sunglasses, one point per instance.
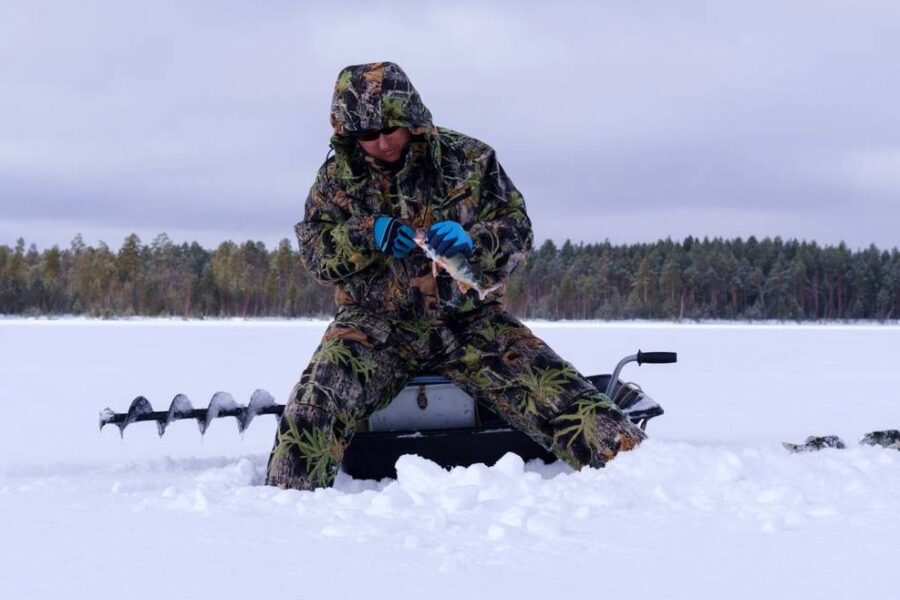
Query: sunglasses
<point x="374" y="134"/>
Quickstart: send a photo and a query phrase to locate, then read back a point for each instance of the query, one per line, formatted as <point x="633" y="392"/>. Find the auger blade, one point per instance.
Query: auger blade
<point x="259" y="401"/>
<point x="221" y="405"/>
<point x="180" y="408"/>
<point x="138" y="411"/>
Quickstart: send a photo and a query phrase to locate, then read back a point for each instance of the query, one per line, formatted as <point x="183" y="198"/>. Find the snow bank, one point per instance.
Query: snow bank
<point x="673" y="503"/>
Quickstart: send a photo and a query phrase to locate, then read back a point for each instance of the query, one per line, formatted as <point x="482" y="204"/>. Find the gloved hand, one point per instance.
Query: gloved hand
<point x="392" y="236"/>
<point x="448" y="238"/>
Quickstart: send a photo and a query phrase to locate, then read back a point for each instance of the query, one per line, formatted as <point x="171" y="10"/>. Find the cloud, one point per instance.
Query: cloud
<point x="210" y="118"/>
<point x="874" y="170"/>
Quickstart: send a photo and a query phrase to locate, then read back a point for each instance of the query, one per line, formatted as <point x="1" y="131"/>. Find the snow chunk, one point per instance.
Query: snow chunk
<point x="243" y="472"/>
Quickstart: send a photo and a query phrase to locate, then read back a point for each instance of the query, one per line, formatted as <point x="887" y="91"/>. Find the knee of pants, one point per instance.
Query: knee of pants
<point x="309" y="393"/>
<point x="309" y="416"/>
<point x="319" y="408"/>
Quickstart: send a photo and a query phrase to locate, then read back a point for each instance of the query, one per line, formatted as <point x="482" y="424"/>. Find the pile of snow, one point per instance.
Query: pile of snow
<point x="711" y="519"/>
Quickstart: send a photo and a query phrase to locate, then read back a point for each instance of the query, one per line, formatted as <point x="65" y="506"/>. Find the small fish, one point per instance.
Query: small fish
<point x="814" y="443"/>
<point x="455" y="266"/>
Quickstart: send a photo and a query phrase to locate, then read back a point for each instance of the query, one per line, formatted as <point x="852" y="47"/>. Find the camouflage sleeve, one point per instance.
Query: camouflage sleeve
<point x="502" y="235"/>
<point x="334" y="244"/>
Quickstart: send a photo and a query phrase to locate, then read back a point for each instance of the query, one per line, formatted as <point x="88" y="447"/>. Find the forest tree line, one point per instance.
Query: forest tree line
<point x="690" y="279"/>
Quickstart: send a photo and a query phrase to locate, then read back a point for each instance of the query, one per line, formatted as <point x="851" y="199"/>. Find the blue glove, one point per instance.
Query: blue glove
<point x="392" y="236"/>
<point x="448" y="238"/>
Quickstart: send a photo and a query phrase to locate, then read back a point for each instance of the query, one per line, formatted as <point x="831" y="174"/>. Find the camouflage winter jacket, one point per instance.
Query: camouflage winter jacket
<point x="445" y="175"/>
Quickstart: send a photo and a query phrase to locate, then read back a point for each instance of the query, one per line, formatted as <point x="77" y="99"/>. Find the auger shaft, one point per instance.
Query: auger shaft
<point x="198" y="414"/>
<point x="222" y="404"/>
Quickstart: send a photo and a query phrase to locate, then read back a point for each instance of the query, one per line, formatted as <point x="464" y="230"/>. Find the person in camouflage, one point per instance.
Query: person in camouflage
<point x="394" y="172"/>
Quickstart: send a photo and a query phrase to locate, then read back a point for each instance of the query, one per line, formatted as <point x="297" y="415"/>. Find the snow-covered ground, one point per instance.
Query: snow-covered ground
<point x="710" y="507"/>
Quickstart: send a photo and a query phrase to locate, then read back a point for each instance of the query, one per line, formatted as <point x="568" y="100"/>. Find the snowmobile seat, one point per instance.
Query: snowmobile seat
<point x="435" y="419"/>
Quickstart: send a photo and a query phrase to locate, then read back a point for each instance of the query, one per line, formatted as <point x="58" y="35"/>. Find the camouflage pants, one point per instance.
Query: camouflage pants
<point x="365" y="360"/>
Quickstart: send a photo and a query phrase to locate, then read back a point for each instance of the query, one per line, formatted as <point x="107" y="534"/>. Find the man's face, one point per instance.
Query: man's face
<point x="387" y="145"/>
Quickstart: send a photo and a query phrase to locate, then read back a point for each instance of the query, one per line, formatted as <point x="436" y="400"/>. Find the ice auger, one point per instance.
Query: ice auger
<point x="639" y="407"/>
<point x="221" y="405"/>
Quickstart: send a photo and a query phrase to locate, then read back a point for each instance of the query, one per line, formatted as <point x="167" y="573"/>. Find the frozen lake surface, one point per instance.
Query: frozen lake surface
<point x="711" y="506"/>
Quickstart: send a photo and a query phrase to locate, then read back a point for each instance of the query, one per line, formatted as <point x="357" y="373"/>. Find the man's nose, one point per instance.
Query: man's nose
<point x="383" y="142"/>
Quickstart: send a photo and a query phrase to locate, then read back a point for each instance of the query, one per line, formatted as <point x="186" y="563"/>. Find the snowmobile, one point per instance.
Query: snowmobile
<point x="430" y="417"/>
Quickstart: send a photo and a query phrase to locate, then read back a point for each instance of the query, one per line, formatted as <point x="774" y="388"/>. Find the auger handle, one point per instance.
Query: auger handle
<point x="656" y="358"/>
<point x="640" y="358"/>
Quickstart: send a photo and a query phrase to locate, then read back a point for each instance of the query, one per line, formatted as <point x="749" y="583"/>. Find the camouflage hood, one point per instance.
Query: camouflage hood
<point x="375" y="96"/>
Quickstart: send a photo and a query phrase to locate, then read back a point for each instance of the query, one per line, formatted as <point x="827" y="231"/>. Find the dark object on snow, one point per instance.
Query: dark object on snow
<point x="815" y="442"/>
<point x="889" y="438"/>
<point x="430" y="417"/>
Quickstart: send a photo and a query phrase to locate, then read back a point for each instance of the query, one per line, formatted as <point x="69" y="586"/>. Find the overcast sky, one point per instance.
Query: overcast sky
<point x="627" y="120"/>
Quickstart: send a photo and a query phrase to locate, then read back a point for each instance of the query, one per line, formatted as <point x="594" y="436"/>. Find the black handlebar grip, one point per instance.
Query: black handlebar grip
<point x="656" y="358"/>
